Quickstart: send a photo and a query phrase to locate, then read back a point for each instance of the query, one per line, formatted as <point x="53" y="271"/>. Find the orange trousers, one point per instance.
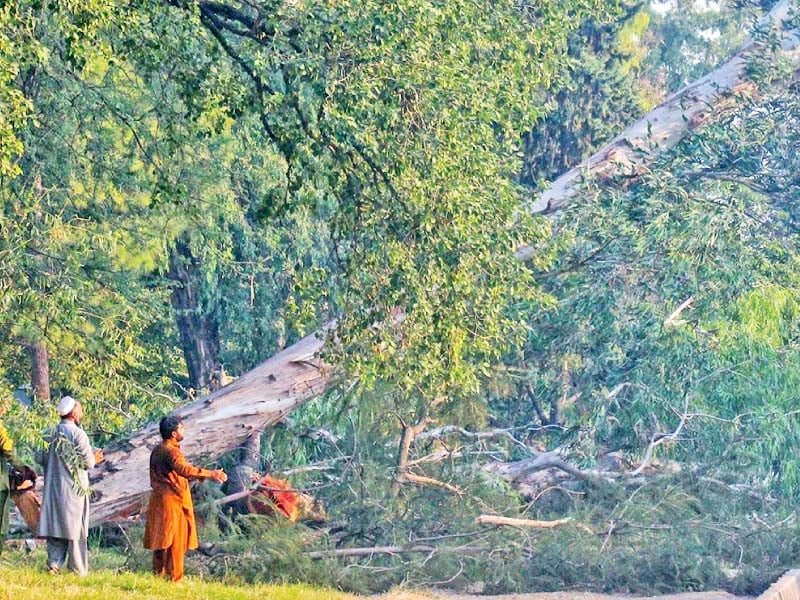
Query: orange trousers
<point x="169" y="561"/>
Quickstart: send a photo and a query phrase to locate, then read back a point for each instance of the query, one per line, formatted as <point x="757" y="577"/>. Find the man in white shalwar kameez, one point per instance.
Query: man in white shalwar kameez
<point x="65" y="506"/>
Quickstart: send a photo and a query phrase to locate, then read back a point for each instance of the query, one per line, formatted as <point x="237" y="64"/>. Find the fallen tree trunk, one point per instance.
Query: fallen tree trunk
<point x="214" y="425"/>
<point x="222" y="421"/>
<point x="667" y="124"/>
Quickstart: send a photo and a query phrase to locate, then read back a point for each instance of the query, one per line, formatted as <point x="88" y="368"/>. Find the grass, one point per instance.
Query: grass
<point x="23" y="577"/>
<point x="20" y="583"/>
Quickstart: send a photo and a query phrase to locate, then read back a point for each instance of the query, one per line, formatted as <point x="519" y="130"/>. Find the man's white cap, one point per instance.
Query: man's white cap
<point x="65" y="405"/>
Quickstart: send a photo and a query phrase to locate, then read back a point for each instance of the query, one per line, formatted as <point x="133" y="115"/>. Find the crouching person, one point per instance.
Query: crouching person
<point x="170" y="528"/>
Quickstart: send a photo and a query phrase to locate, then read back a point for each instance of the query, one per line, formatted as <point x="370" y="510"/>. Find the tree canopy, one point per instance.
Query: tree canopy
<point x="189" y="187"/>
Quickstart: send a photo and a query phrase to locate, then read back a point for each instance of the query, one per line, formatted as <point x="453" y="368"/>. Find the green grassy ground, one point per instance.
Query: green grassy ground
<point x="22" y="583"/>
<point x="23" y="577"/>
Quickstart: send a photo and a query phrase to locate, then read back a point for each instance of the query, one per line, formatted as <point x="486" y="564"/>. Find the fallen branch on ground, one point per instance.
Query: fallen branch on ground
<point x="659" y="438"/>
<point x="476" y="435"/>
<point x="344" y="552"/>
<point x="403" y="473"/>
<point x="529" y="523"/>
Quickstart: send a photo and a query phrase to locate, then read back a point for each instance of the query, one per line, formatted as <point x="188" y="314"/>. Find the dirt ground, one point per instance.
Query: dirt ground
<point x="562" y="596"/>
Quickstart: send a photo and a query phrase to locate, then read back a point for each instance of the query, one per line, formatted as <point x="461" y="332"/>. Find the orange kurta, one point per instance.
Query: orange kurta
<point x="170" y="514"/>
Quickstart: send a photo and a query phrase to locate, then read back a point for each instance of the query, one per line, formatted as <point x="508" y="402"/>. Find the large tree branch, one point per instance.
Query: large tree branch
<point x="526" y="523"/>
<point x="220" y="19"/>
<point x="403" y="473"/>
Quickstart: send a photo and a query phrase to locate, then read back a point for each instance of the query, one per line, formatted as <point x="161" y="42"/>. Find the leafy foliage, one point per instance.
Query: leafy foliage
<point x="361" y="161"/>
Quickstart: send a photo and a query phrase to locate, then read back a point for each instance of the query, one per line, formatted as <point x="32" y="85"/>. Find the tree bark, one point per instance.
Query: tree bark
<point x="40" y="371"/>
<point x="197" y="323"/>
<point x="240" y="477"/>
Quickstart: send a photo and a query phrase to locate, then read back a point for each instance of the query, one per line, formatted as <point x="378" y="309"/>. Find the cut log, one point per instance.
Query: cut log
<point x="308" y="508"/>
<point x="213" y="425"/>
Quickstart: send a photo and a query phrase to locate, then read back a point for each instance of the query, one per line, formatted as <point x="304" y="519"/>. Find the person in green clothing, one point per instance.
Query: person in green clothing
<point x="7" y="455"/>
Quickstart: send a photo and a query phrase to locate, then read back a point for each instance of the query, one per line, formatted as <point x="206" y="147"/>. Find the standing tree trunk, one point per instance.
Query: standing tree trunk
<point x="249" y="463"/>
<point x="40" y="370"/>
<point x="197" y="323"/>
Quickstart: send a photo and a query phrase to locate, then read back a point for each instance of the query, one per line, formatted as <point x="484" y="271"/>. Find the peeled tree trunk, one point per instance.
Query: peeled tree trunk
<point x="213" y="426"/>
<point x="222" y="421"/>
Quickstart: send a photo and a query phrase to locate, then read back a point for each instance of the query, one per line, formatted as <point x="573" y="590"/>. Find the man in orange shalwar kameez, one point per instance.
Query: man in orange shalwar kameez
<point x="170" y="529"/>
